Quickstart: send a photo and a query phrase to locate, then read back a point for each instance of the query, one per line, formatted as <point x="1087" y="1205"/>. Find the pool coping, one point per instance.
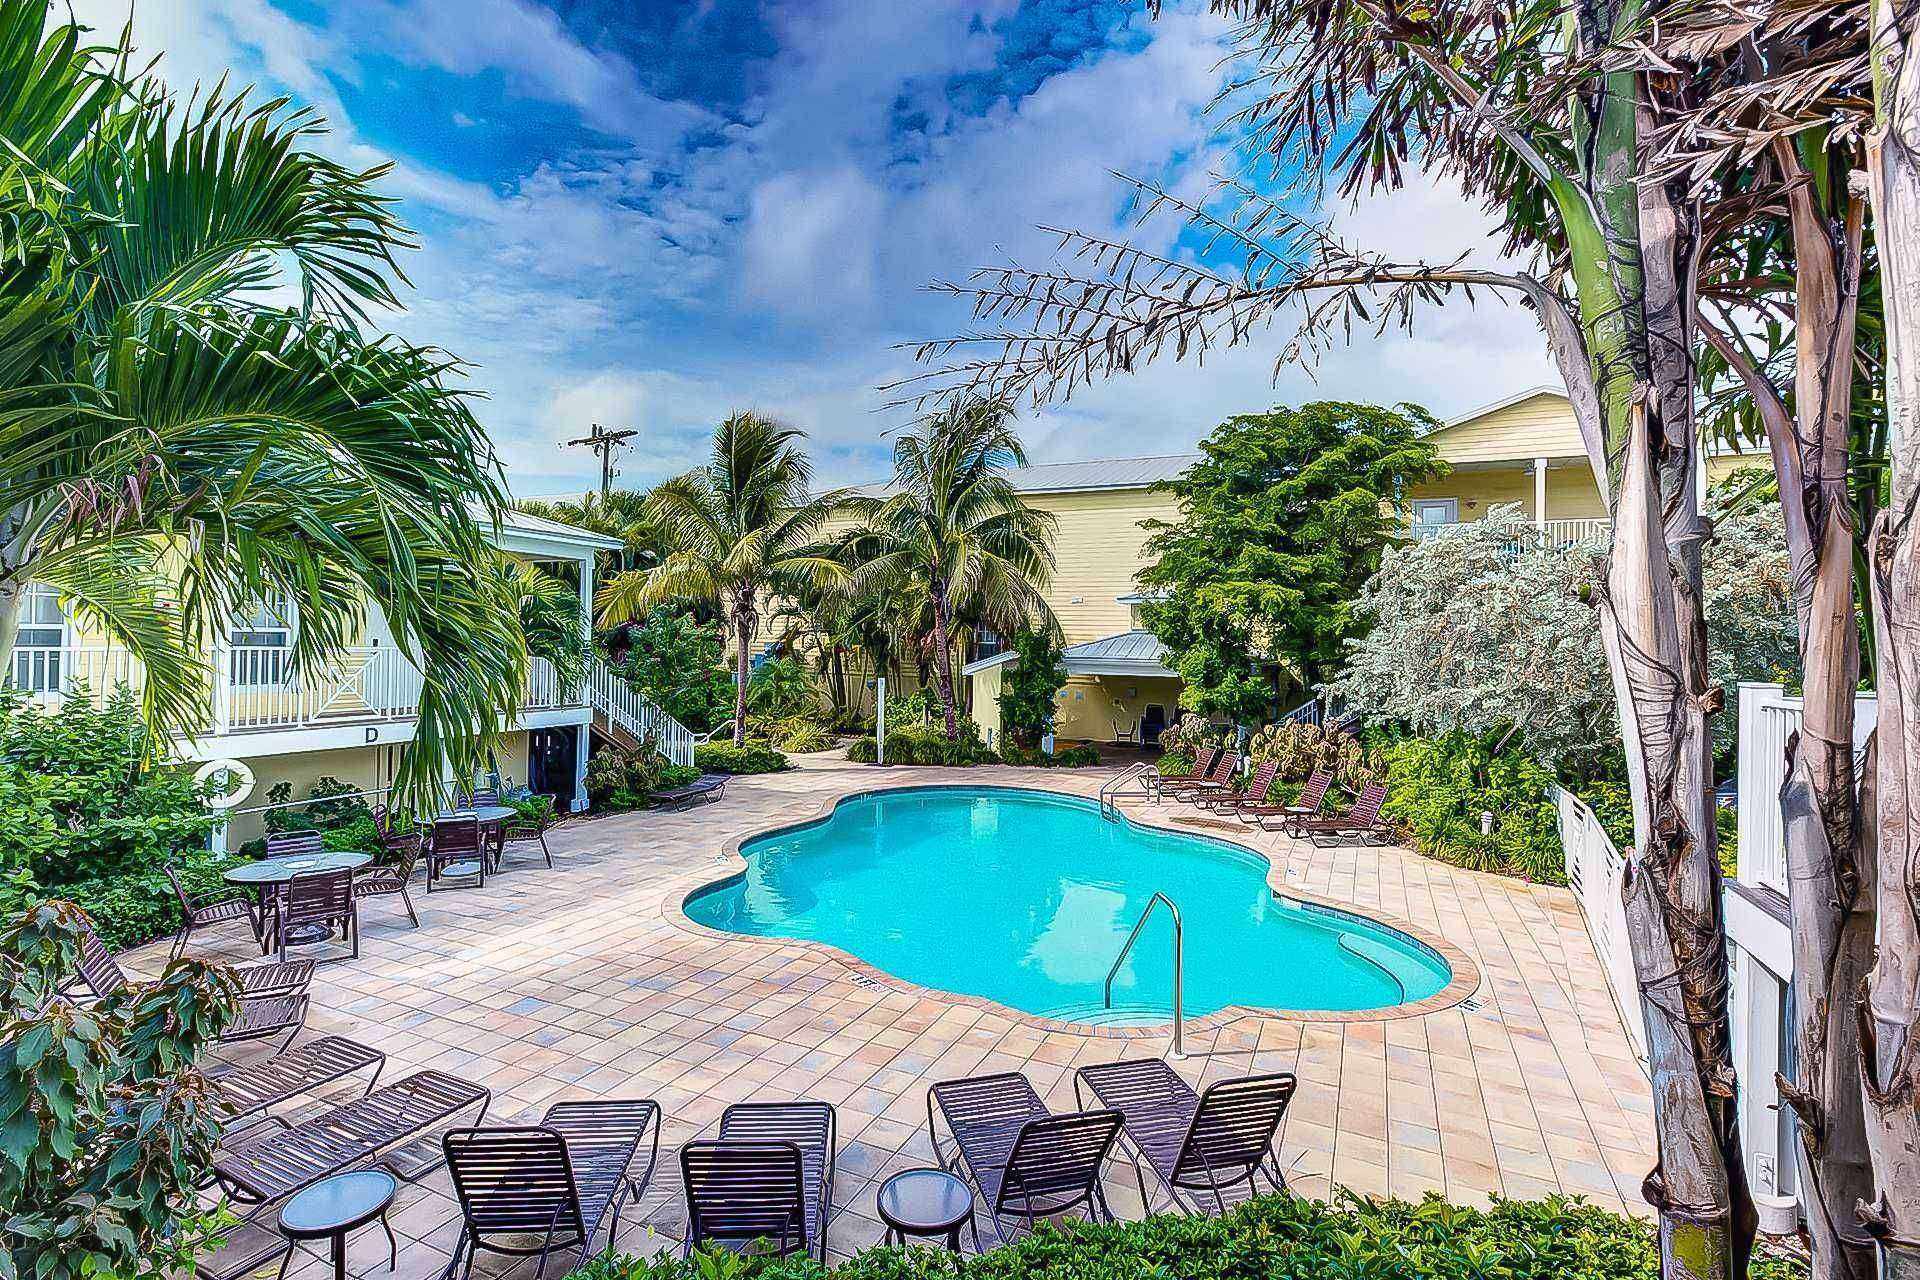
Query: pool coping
<point x="1465" y="971"/>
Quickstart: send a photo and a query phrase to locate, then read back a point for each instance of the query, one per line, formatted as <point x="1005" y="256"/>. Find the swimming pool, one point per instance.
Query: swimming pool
<point x="1026" y="897"/>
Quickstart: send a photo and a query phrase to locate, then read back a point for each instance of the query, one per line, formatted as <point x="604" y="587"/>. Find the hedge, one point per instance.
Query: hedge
<point x="724" y="757"/>
<point x="1270" y="1238"/>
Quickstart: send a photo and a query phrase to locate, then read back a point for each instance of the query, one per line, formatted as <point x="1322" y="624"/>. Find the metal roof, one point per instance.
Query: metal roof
<point x="1067" y="477"/>
<point x="1131" y="653"/>
<point x="541" y="527"/>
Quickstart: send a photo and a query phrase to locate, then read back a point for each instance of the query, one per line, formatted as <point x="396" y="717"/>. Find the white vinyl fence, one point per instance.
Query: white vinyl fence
<point x="1595" y="871"/>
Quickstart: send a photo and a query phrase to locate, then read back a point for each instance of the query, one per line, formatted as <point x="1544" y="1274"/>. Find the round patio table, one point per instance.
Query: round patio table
<point x="489" y="816"/>
<point x="926" y="1203"/>
<point x="331" y="1207"/>
<point x="267" y="876"/>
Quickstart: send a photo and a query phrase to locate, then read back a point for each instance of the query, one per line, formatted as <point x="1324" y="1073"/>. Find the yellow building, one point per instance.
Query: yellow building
<point x="1524" y="451"/>
<point x="350" y="721"/>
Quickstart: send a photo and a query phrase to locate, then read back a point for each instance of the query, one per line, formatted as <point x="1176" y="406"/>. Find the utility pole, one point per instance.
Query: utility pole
<point x="604" y="441"/>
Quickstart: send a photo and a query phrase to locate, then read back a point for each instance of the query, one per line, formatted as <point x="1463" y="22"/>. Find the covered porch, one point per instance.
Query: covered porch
<point x="1119" y="690"/>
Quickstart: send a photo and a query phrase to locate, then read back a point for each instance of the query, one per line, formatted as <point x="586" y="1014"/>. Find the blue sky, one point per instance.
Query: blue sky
<point x="651" y="212"/>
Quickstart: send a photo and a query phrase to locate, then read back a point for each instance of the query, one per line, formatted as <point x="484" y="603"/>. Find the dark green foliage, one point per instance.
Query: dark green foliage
<point x="1438" y="788"/>
<point x="1029" y="686"/>
<point x="619" y="779"/>
<point x="334" y="804"/>
<point x="106" y="1124"/>
<point x="782" y="687"/>
<point x="801" y="734"/>
<point x="915" y="744"/>
<point x="680" y="665"/>
<point x="724" y="757"/>
<point x="1281" y="523"/>
<point x="1274" y="1238"/>
<point x="1081" y="757"/>
<point x="1175" y="762"/>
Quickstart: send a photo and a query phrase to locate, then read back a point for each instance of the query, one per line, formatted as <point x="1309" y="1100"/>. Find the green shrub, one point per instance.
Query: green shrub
<point x="333" y="803"/>
<point x="1272" y="1238"/>
<point x="679" y="664"/>
<point x="724" y="757"/>
<point x="1029" y="688"/>
<point x="1176" y="760"/>
<point x="800" y="734"/>
<point x="620" y="779"/>
<point x="1437" y="788"/>
<point x="1081" y="757"/>
<point x="916" y="745"/>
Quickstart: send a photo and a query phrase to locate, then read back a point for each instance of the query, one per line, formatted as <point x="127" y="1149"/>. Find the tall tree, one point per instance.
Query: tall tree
<point x="955" y="527"/>
<point x="173" y="449"/>
<point x="742" y="529"/>
<point x="1534" y="106"/>
<point x="1281" y="524"/>
<point x="1890" y="1005"/>
<point x="620" y="514"/>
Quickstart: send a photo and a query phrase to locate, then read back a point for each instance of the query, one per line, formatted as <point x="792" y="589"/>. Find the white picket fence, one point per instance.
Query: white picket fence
<point x="1596" y="871"/>
<point x="1769" y="716"/>
<point x="634" y="713"/>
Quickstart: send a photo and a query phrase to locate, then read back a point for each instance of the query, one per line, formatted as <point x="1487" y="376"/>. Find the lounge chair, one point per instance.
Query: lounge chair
<point x="256" y="1087"/>
<point x="555" y="1182"/>
<point x="273" y="996"/>
<point x="1024" y="1161"/>
<point x="769" y="1176"/>
<point x="197" y="912"/>
<point x="1157" y="783"/>
<point x="391" y="880"/>
<point x="456" y="848"/>
<point x="1220" y="778"/>
<point x="1362" y="822"/>
<point x="1305" y="805"/>
<point x="528" y="829"/>
<point x="1209" y="1142"/>
<point x="1256" y="793"/>
<point x="317" y="900"/>
<point x="708" y="786"/>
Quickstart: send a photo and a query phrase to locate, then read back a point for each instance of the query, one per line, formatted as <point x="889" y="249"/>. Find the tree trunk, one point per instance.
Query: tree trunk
<point x="13" y="596"/>
<point x="945" y="659"/>
<point x="742" y="672"/>
<point x="1889" y="1010"/>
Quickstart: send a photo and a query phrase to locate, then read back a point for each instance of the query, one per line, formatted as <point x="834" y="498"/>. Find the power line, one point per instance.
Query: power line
<point x="603" y="441"/>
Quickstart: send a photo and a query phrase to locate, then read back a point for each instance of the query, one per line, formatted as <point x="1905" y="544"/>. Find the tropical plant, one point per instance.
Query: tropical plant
<point x="755" y="757"/>
<point x="620" y="514"/>
<point x="679" y="664"/>
<point x="107" y="1126"/>
<point x="742" y="529"/>
<point x="1029" y="686"/>
<point x="782" y="687"/>
<point x="174" y="447"/>
<point x="955" y="529"/>
<point x="1280" y="523"/>
<point x="551" y="621"/>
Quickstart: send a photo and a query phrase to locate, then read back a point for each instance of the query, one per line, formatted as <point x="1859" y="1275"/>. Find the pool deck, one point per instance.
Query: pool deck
<point x="585" y="981"/>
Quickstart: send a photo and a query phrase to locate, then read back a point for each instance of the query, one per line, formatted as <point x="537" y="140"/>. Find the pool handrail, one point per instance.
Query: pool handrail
<point x="1179" y="948"/>
<point x="1110" y="788"/>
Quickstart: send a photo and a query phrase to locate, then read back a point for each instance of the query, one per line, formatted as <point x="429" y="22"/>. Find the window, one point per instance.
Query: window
<point x="260" y="636"/>
<point x="37" y="644"/>
<point x="1431" y="515"/>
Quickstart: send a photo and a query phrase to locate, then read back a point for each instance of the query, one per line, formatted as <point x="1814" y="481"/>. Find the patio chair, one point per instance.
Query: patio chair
<point x="393" y="840"/>
<point x="1023" y="1160"/>
<point x="386" y="881"/>
<point x="249" y="1090"/>
<point x="1220" y="778"/>
<point x="555" y="1182"/>
<point x="273" y="996"/>
<point x="482" y="796"/>
<point x="217" y="907"/>
<point x="524" y="828"/>
<point x="1258" y="786"/>
<point x="1209" y="1142"/>
<point x="456" y="843"/>
<point x="292" y="844"/>
<point x="1158" y="784"/>
<point x="1362" y="822"/>
<point x="769" y="1176"/>
<point x="708" y="787"/>
<point x="318" y="900"/>
<point x="1127" y="735"/>
<point x="1305" y="805"/>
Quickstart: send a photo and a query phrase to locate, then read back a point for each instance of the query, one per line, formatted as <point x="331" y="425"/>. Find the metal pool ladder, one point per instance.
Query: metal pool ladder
<point x="1110" y="791"/>
<point x="1179" y="1050"/>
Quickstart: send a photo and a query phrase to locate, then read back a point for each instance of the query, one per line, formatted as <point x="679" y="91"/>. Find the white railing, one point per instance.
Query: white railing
<point x="1595" y="871"/>
<point x="262" y="690"/>
<point x="635" y="714"/>
<point x="1560" y="535"/>
<point x="1768" y="717"/>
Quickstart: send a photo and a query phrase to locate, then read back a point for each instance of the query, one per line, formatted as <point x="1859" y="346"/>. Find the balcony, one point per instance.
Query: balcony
<point x="261" y="692"/>
<point x="1559" y="535"/>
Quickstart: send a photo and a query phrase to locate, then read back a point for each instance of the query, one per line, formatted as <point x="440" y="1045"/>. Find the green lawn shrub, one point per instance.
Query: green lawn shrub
<point x="1437" y="788"/>
<point x="1271" y="1238"/>
<point x="1080" y="757"/>
<point x="912" y="744"/>
<point x="724" y="757"/>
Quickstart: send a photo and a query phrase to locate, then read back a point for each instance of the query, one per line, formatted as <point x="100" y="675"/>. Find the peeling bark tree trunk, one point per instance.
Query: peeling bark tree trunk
<point x="1889" y="1010"/>
<point x="742" y="672"/>
<point x="941" y="631"/>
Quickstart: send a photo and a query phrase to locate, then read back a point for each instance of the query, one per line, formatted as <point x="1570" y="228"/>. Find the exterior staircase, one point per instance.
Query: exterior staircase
<point x="629" y="718"/>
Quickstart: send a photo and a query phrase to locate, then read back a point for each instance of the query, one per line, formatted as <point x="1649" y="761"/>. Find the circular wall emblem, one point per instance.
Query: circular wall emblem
<point x="228" y="782"/>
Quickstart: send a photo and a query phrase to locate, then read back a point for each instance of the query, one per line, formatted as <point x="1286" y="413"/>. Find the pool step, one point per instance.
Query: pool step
<point x="1093" y="1013"/>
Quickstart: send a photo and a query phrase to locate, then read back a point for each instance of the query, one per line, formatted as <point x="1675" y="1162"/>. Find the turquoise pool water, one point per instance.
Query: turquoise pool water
<point x="1025" y="898"/>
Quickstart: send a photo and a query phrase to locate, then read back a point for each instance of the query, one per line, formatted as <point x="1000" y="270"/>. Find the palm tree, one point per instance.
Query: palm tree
<point x="743" y="530"/>
<point x="191" y="420"/>
<point x="620" y="514"/>
<point x="956" y="530"/>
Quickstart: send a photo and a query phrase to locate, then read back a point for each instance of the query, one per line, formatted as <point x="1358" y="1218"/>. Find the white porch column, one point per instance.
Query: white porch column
<point x="222" y="685"/>
<point x="1540" y="493"/>
<point x="585" y="731"/>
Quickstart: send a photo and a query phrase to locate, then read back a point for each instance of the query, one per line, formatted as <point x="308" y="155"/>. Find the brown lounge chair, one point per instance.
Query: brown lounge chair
<point x="1362" y="822"/>
<point x="1209" y="1142"/>
<point x="525" y="1192"/>
<point x="1256" y="793"/>
<point x="257" y="1087"/>
<point x="1025" y="1162"/>
<point x="708" y="786"/>
<point x="1158" y="783"/>
<point x="769" y="1176"/>
<point x="1304" y="806"/>
<point x="273" y="996"/>
<point x="1220" y="779"/>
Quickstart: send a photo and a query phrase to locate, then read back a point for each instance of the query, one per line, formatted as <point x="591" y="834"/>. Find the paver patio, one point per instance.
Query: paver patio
<point x="584" y="981"/>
